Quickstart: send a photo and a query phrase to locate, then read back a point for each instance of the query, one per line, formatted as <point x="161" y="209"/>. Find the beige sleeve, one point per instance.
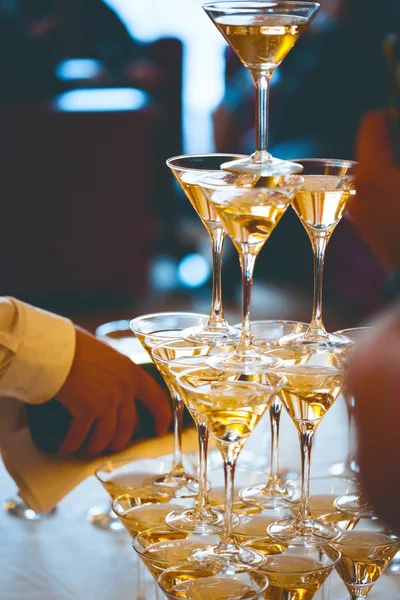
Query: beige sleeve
<point x="36" y="351"/>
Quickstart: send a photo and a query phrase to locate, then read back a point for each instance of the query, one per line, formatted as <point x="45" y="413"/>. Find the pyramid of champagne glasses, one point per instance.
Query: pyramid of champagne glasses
<point x="278" y="537"/>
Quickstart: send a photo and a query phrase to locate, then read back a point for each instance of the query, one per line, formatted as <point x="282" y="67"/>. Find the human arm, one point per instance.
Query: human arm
<point x="43" y="356"/>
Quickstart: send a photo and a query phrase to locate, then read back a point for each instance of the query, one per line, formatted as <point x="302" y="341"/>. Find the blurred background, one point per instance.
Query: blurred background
<point x="95" y="95"/>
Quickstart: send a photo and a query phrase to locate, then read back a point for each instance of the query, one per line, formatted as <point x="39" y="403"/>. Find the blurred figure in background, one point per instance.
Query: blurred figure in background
<point x="374" y="375"/>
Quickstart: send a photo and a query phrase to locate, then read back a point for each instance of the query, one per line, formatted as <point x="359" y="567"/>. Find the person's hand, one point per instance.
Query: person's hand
<point x="376" y="207"/>
<point x="99" y="393"/>
<point x="374" y="381"/>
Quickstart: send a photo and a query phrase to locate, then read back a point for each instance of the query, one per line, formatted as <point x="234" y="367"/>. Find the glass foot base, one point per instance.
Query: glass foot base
<point x="270" y="167"/>
<point x="269" y="496"/>
<point x="316" y="343"/>
<point x="104" y="518"/>
<point x="313" y="531"/>
<point x="190" y="521"/>
<point x="248" y="365"/>
<point x="354" y="505"/>
<point x="185" y="486"/>
<point x="215" y="336"/>
<point x="18" y="508"/>
<point x="240" y="558"/>
<point x="346" y="470"/>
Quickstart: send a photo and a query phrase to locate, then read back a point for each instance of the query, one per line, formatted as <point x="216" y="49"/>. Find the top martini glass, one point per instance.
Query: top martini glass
<point x="261" y="33"/>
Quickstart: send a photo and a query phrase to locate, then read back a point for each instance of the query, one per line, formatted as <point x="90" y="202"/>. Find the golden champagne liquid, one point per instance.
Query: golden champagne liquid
<point x="131" y="483"/>
<point x="230" y="417"/>
<point x="310" y="392"/>
<point x="170" y="552"/>
<point x="207" y="588"/>
<point x="141" y="518"/>
<point x="365" y="555"/>
<point x="149" y="340"/>
<point x="248" y="222"/>
<point x="322" y="200"/>
<point x="198" y="199"/>
<point x="294" y="578"/>
<point x="263" y="41"/>
<point x="255" y="526"/>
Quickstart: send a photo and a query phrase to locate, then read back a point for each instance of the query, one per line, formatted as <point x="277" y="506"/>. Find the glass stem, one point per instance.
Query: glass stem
<point x="202" y="497"/>
<point x="306" y="436"/>
<point x="247" y="262"/>
<point x="275" y="417"/>
<point x="217" y="237"/>
<point x="177" y="469"/>
<point x="230" y="459"/>
<point x="319" y="243"/>
<point x="262" y="82"/>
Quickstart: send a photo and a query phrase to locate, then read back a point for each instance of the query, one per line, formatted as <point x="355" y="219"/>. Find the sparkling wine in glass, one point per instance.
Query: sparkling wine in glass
<point x="275" y="492"/>
<point x="172" y="358"/>
<point x="186" y="170"/>
<point x="151" y="330"/>
<point x="320" y="204"/>
<point x="261" y="33"/>
<point x="311" y="389"/>
<point x="366" y="552"/>
<point x="221" y="583"/>
<point x="249" y="208"/>
<point x="162" y="548"/>
<point x="231" y="410"/>
<point x="298" y="572"/>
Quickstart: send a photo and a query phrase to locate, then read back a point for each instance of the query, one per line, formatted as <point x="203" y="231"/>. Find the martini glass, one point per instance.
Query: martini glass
<point x="320" y="204"/>
<point x="261" y="34"/>
<point x="231" y="410"/>
<point x="151" y="330"/>
<point x="172" y="358"/>
<point x="350" y="469"/>
<point x="275" y="492"/>
<point x="249" y="208"/>
<point x="366" y="552"/>
<point x="218" y="583"/>
<point x="297" y="572"/>
<point x="311" y="389"/>
<point x="186" y="170"/>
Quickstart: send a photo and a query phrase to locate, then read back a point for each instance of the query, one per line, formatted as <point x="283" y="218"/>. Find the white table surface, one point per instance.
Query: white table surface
<point x="65" y="557"/>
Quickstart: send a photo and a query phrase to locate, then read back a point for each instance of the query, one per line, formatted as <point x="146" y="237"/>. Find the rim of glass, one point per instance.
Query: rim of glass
<point x="149" y="316"/>
<point x="260" y="387"/>
<point x="127" y="496"/>
<point x="273" y="322"/>
<point x="112" y="327"/>
<point x="256" y="4"/>
<point x="173" y="344"/>
<point x="225" y="155"/>
<point x="297" y="180"/>
<point x="121" y="462"/>
<point x="353" y="329"/>
<point x="332" y="162"/>
<point x="289" y="547"/>
<point x="181" y="535"/>
<point x="389" y="534"/>
<point x="183" y="569"/>
<point x="325" y="370"/>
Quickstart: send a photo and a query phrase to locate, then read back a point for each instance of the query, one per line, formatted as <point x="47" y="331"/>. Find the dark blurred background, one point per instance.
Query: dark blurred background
<point x="95" y="96"/>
